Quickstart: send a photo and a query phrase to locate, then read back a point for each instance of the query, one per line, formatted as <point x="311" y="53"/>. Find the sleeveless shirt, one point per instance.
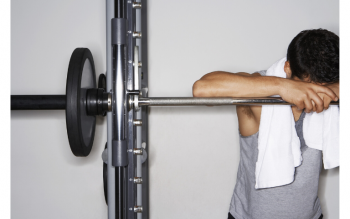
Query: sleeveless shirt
<point x="297" y="200"/>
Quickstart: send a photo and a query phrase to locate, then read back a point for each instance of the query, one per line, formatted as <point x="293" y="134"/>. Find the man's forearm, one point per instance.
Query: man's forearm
<point x="300" y="93"/>
<point x="224" y="84"/>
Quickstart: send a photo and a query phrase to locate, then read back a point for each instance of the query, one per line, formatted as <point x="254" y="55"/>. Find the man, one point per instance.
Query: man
<point x="311" y="83"/>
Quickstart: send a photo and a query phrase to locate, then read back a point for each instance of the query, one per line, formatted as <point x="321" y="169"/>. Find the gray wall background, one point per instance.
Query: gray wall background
<point x="193" y="151"/>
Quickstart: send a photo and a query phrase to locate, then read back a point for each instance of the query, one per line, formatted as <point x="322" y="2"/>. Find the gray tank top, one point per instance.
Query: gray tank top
<point x="297" y="200"/>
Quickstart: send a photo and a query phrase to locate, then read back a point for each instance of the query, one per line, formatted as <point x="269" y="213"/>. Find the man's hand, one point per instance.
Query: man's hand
<point x="304" y="94"/>
<point x="326" y="99"/>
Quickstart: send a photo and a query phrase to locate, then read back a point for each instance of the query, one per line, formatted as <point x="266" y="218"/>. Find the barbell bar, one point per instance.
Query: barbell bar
<point x="208" y="101"/>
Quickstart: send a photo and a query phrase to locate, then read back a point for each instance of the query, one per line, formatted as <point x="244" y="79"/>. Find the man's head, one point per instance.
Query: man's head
<point x="313" y="55"/>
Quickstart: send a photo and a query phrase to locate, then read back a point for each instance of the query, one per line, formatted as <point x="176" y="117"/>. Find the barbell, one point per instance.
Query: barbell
<point x="84" y="101"/>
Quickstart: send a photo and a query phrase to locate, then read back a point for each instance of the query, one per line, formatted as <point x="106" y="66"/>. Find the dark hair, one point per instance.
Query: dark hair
<point x="315" y="53"/>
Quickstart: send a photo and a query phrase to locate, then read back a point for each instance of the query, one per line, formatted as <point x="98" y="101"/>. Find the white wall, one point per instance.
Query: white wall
<point x="193" y="151"/>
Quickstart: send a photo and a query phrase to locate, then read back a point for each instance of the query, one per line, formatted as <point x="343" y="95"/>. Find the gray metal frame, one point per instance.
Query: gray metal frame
<point x="126" y="194"/>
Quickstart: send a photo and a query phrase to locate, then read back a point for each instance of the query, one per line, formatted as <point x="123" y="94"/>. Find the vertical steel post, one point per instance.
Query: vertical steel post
<point x="144" y="88"/>
<point x="130" y="171"/>
<point x="119" y="143"/>
<point x="139" y="112"/>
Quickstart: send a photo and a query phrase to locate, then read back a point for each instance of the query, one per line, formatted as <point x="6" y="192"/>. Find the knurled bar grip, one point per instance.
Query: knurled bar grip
<point x="198" y="101"/>
<point x="38" y="102"/>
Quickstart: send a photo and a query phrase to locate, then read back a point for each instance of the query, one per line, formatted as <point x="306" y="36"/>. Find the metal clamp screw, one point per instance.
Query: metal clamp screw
<point x="137" y="122"/>
<point x="138" y="209"/>
<point x="137" y="34"/>
<point x="138" y="180"/>
<point x="137" y="5"/>
<point x="138" y="151"/>
<point x="140" y="64"/>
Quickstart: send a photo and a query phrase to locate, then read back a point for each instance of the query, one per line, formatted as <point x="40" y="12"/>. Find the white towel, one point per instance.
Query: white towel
<point x="279" y="144"/>
<point x="321" y="131"/>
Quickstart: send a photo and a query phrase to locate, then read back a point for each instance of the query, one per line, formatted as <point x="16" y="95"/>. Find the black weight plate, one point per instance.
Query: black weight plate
<point x="80" y="126"/>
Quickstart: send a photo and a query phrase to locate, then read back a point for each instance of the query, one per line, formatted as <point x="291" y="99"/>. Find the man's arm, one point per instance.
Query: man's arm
<point x="225" y="84"/>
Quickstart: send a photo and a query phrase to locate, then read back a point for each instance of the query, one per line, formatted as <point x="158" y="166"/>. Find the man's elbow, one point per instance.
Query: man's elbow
<point x="211" y="76"/>
<point x="200" y="89"/>
<point x="204" y="86"/>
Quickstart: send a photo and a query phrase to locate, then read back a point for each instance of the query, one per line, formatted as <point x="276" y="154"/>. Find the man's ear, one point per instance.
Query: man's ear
<point x="287" y="69"/>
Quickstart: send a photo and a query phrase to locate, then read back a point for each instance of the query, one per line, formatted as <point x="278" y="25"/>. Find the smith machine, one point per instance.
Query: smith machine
<point x="122" y="96"/>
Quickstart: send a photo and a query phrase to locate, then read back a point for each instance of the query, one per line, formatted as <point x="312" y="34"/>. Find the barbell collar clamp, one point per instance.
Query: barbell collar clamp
<point x="98" y="102"/>
<point x="132" y="97"/>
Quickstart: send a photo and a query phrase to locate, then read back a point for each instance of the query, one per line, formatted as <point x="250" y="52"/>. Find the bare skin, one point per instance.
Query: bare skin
<point x="303" y="94"/>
